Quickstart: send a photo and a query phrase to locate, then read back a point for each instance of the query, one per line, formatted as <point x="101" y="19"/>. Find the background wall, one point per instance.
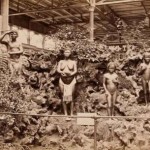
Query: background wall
<point x="34" y="38"/>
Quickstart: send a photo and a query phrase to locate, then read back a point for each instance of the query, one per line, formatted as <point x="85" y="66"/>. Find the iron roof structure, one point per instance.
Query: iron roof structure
<point x="58" y="12"/>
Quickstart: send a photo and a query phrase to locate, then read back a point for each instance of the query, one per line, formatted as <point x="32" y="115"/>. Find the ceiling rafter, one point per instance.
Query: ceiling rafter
<point x="63" y="17"/>
<point x="106" y="17"/>
<point x="58" y="12"/>
<point x="30" y="15"/>
<point x="48" y="9"/>
<point x="71" y="14"/>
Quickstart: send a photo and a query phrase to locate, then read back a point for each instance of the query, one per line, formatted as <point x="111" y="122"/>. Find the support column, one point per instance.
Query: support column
<point x="28" y="37"/>
<point x="91" y="9"/>
<point x="4" y="15"/>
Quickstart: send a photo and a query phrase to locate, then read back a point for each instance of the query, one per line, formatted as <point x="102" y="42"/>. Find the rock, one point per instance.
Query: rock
<point x="79" y="140"/>
<point x="27" y="140"/>
<point x="40" y="100"/>
<point x="9" y="136"/>
<point x="50" y="129"/>
<point x="47" y="141"/>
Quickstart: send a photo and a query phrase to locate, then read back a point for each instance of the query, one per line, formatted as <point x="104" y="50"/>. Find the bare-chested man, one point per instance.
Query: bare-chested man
<point x="15" y="50"/>
<point x="67" y="69"/>
<point x="110" y="84"/>
<point x="144" y="71"/>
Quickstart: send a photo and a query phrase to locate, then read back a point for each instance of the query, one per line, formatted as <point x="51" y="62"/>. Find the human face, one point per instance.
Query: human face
<point x="67" y="53"/>
<point x="14" y="35"/>
<point x="111" y="69"/>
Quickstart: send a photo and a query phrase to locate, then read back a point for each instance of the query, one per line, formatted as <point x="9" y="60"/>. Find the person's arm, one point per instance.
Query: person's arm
<point x="104" y="84"/>
<point x="2" y="37"/>
<point x="58" y="67"/>
<point x="116" y="80"/>
<point x="75" y="68"/>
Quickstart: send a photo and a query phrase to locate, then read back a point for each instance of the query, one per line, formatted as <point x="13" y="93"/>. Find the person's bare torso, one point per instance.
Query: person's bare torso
<point x="14" y="47"/>
<point x="67" y="66"/>
<point x="110" y="82"/>
<point x="146" y="73"/>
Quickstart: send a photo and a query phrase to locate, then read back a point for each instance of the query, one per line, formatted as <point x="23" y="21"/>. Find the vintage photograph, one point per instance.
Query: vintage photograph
<point x="74" y="74"/>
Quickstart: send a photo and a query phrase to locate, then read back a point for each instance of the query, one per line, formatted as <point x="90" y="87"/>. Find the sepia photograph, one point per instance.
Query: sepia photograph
<point x="74" y="74"/>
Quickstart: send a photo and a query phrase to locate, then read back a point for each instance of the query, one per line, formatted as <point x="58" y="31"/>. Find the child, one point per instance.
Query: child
<point x="144" y="71"/>
<point x="110" y="84"/>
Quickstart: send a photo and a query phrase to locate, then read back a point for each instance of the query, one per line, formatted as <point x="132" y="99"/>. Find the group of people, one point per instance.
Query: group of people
<point x="67" y="68"/>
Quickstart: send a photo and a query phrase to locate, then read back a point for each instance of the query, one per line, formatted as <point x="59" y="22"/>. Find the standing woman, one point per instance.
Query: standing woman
<point x="14" y="48"/>
<point x="67" y="69"/>
<point x="110" y="84"/>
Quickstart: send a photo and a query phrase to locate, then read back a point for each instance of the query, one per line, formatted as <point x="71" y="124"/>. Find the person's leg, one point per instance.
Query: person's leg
<point x="61" y="85"/>
<point x="149" y="91"/>
<point x="114" y="98"/>
<point x="109" y="97"/>
<point x="71" y="108"/>
<point x="11" y="69"/>
<point x="72" y="102"/>
<point x="145" y="89"/>
<point x="65" y="108"/>
<point x="19" y="69"/>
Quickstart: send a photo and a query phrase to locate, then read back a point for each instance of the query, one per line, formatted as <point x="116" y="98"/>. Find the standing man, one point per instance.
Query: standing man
<point x="15" y="50"/>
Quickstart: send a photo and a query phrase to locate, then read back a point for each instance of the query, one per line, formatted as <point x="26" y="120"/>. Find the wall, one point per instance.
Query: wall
<point x="34" y="38"/>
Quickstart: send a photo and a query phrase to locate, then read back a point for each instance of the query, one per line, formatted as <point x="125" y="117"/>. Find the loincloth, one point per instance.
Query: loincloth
<point x="68" y="89"/>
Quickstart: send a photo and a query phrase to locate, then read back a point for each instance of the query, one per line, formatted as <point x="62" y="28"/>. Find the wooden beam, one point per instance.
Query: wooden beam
<point x="74" y="22"/>
<point x="106" y="17"/>
<point x="70" y="14"/>
<point x="116" y="2"/>
<point x="103" y="17"/>
<point x="63" y="17"/>
<point x="144" y="8"/>
<point x="115" y="14"/>
<point x="101" y="24"/>
<point x="49" y="9"/>
<point x="60" y="15"/>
